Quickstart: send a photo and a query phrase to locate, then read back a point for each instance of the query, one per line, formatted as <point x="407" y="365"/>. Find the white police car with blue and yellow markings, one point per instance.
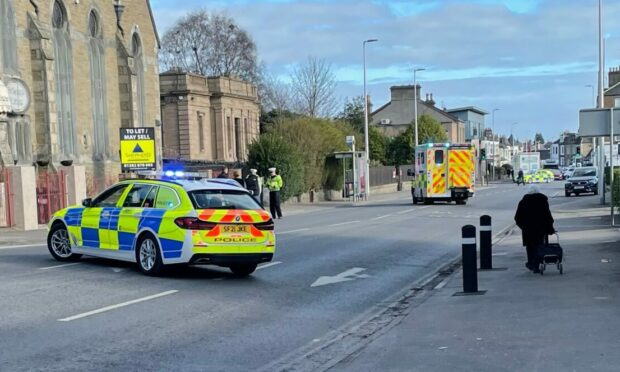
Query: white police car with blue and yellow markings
<point x="161" y="222"/>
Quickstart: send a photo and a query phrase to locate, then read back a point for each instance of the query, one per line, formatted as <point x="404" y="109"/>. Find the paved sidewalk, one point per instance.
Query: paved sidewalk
<point x="525" y="322"/>
<point x="11" y="237"/>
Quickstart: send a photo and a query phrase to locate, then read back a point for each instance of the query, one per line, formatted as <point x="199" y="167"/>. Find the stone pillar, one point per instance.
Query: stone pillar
<point x="76" y="184"/>
<point x="23" y="188"/>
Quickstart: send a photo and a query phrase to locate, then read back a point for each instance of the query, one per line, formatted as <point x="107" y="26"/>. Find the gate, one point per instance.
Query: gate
<point x="6" y="199"/>
<point x="51" y="194"/>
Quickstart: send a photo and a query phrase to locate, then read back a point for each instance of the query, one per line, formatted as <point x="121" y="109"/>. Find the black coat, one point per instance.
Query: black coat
<point x="534" y="218"/>
<point x="251" y="183"/>
<point x="240" y="181"/>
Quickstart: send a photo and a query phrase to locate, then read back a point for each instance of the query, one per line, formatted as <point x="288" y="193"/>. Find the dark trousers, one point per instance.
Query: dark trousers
<point x="274" y="204"/>
<point x="532" y="255"/>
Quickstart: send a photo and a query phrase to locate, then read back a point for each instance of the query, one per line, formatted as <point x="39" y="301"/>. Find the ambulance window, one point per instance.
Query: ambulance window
<point x="438" y="156"/>
<point x="110" y="197"/>
<point x="136" y="196"/>
<point x="166" y="198"/>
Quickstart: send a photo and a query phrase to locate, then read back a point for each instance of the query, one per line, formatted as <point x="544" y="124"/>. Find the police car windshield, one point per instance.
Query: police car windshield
<point x="222" y="199"/>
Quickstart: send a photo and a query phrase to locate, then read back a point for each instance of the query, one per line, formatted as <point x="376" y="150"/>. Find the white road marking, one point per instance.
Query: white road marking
<point x="381" y="217"/>
<point x="292" y="231"/>
<point x="63" y="265"/>
<point x="344" y="276"/>
<point x="112" y="307"/>
<point x="22" y="246"/>
<point x="117" y="269"/>
<point x="264" y="266"/>
<point x="442" y="284"/>
<point x="343" y="223"/>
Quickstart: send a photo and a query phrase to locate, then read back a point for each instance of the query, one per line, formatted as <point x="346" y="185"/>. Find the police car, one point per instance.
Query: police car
<point x="155" y="223"/>
<point x="541" y="175"/>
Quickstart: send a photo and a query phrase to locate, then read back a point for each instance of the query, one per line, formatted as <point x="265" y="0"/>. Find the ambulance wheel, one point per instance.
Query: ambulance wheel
<point x="148" y="256"/>
<point x="243" y="270"/>
<point x="461" y="202"/>
<point x="427" y="201"/>
<point x="59" y="245"/>
<point x="567" y="194"/>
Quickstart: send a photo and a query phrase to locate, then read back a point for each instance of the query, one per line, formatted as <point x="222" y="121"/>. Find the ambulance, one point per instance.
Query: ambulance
<point x="443" y="172"/>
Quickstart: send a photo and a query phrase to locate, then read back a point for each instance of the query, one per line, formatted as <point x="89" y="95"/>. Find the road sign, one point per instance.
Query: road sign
<point x="596" y="122"/>
<point x="137" y="149"/>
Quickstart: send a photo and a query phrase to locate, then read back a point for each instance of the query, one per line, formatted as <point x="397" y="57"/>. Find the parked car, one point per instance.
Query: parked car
<point x="583" y="180"/>
<point x="557" y="175"/>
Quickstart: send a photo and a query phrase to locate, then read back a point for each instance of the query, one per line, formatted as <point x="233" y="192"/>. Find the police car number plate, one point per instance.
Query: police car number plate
<point x="234" y="229"/>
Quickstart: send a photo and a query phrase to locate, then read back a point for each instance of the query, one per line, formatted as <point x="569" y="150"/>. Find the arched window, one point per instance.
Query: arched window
<point x="136" y="51"/>
<point x="63" y="69"/>
<point x="98" y="87"/>
<point x="8" y="41"/>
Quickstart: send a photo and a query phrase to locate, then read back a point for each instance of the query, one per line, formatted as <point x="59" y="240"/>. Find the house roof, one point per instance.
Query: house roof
<point x="469" y="108"/>
<point x="613" y="90"/>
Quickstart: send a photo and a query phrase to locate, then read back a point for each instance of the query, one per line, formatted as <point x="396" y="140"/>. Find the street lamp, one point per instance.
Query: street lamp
<point x="512" y="139"/>
<point x="493" y="140"/>
<point x="415" y="102"/>
<point x="593" y="99"/>
<point x="367" y="149"/>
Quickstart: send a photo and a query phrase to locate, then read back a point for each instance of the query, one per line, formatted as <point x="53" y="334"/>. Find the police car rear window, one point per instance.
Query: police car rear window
<point x="222" y="199"/>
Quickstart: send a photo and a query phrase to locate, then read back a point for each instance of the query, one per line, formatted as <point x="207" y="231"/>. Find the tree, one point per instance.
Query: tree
<point x="210" y="45"/>
<point x="313" y="85"/>
<point x="539" y="138"/>
<point x="271" y="150"/>
<point x="378" y="144"/>
<point x="274" y="93"/>
<point x="400" y="149"/>
<point x="430" y="130"/>
<point x="353" y="113"/>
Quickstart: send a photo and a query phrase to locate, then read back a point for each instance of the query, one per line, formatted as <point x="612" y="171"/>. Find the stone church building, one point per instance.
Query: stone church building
<point x="72" y="73"/>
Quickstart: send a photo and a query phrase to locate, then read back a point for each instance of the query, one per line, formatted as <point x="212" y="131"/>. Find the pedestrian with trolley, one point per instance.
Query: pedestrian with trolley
<point x="274" y="183"/>
<point x="536" y="222"/>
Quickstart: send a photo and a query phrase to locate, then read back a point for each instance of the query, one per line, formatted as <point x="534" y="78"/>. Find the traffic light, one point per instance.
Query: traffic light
<point x="483" y="154"/>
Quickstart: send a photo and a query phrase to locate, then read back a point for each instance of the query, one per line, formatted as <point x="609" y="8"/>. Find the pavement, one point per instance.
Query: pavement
<point x="525" y="321"/>
<point x="335" y="268"/>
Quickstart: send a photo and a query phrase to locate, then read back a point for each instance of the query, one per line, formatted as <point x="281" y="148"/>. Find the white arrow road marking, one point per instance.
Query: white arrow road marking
<point x="345" y="276"/>
<point x="264" y="266"/>
<point x="112" y="307"/>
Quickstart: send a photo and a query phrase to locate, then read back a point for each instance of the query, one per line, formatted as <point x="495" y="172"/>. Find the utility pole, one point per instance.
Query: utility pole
<point x="415" y="103"/>
<point x="601" y="103"/>
<point x="493" y="142"/>
<point x="366" y="141"/>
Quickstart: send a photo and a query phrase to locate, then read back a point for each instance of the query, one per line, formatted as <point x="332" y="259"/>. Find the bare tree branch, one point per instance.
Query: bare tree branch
<point x="314" y="85"/>
<point x="274" y="93"/>
<point x="212" y="45"/>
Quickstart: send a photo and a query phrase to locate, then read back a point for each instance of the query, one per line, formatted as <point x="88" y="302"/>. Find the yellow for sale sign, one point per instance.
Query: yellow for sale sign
<point x="137" y="149"/>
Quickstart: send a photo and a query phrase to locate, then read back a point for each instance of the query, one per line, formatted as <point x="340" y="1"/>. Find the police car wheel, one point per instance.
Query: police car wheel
<point x="149" y="256"/>
<point x="243" y="270"/>
<point x="59" y="245"/>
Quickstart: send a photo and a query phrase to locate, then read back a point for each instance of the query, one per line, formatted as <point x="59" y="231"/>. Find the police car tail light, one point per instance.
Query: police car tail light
<point x="265" y="226"/>
<point x="193" y="223"/>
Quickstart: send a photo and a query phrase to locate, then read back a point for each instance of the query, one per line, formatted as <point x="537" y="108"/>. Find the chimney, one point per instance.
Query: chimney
<point x="614" y="76"/>
<point x="431" y="101"/>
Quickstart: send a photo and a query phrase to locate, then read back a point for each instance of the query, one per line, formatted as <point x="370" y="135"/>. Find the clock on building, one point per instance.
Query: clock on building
<point x="19" y="96"/>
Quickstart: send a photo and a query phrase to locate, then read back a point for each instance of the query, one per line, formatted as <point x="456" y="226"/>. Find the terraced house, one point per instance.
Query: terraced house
<point x="72" y="73"/>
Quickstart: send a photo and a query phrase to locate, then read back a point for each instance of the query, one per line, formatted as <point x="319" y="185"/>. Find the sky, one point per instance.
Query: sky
<point x="531" y="59"/>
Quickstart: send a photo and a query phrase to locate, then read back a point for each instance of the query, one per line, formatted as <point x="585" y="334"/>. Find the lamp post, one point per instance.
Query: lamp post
<point x="512" y="139"/>
<point x="415" y="102"/>
<point x="493" y="141"/>
<point x="366" y="148"/>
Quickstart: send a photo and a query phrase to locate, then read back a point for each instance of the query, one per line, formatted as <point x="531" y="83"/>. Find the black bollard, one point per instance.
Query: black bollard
<point x="486" y="245"/>
<point x="470" y="267"/>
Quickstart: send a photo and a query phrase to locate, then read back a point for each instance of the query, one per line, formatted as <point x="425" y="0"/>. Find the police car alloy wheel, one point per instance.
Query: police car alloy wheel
<point x="59" y="245"/>
<point x="148" y="256"/>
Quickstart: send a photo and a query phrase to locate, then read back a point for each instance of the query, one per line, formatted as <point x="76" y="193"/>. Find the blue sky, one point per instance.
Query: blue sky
<point x="529" y="58"/>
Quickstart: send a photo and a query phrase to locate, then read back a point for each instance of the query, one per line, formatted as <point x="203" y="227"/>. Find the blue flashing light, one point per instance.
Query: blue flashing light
<point x="431" y="144"/>
<point x="447" y="144"/>
<point x="169" y="173"/>
<point x="179" y="173"/>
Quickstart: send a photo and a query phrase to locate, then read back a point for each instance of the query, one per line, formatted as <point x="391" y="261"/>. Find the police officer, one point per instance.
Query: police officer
<point x="274" y="184"/>
<point x="253" y="185"/>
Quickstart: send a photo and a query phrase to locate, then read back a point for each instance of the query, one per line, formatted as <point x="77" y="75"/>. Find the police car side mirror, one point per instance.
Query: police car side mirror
<point x="409" y="172"/>
<point x="87" y="202"/>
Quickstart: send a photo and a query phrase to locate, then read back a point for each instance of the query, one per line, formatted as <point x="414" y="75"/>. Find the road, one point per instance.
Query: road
<point x="332" y="268"/>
